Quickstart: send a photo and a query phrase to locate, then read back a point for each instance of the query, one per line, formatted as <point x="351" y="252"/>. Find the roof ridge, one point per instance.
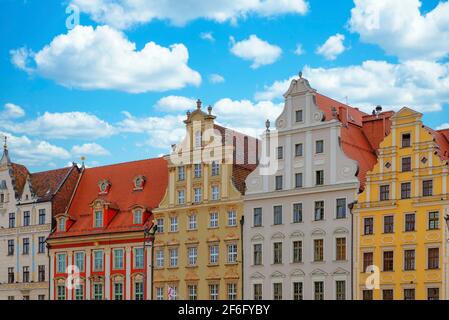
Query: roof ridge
<point x="126" y="162"/>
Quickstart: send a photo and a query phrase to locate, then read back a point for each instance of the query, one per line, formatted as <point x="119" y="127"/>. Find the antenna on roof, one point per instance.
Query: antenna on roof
<point x="83" y="158"/>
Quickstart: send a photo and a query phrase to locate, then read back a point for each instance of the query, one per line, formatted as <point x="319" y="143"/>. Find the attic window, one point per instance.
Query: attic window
<point x="424" y="160"/>
<point x="139" y="182"/>
<point x="104" y="186"/>
<point x="388" y="165"/>
<point x="61" y="225"/>
<point x="138" y="216"/>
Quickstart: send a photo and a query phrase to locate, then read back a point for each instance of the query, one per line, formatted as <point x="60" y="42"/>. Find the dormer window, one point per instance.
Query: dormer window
<point x="104" y="186"/>
<point x="139" y="182"/>
<point x="98" y="219"/>
<point x="138" y="216"/>
<point x="61" y="225"/>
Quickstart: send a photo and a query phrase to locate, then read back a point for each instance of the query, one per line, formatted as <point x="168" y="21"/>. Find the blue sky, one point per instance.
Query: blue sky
<point x="89" y="91"/>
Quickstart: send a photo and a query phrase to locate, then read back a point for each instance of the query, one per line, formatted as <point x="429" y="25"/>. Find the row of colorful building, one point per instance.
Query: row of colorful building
<point x="333" y="203"/>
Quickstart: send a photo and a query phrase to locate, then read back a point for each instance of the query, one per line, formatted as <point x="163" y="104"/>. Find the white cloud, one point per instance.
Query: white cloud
<point x="216" y="78"/>
<point x="12" y="111"/>
<point x="207" y="36"/>
<point x="333" y="47"/>
<point x="63" y="125"/>
<point x="299" y="50"/>
<point x="400" y="29"/>
<point x="33" y="152"/>
<point x="104" y="58"/>
<point x="92" y="149"/>
<point x="256" y="50"/>
<point x="421" y="85"/>
<point x="175" y="103"/>
<point x="123" y="14"/>
<point x="443" y="126"/>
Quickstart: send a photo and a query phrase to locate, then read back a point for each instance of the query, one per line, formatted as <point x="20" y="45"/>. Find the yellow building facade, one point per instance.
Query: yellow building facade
<point x="400" y="231"/>
<point x="197" y="249"/>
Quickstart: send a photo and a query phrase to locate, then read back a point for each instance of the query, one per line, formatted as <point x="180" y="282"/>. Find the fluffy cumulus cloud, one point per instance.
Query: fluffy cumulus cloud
<point x="89" y="149"/>
<point x="401" y="29"/>
<point x="103" y="58"/>
<point x="33" y="152"/>
<point x="421" y="85"/>
<point x="443" y="126"/>
<point x="123" y="14"/>
<point x="11" y="111"/>
<point x="333" y="47"/>
<point x="62" y="125"/>
<point x="216" y="78"/>
<point x="258" y="51"/>
<point x="175" y="103"/>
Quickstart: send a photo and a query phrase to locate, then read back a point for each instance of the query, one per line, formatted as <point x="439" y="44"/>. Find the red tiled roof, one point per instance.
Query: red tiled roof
<point x="44" y="184"/>
<point x="361" y="133"/>
<point x="441" y="138"/>
<point x="19" y="174"/>
<point x="121" y="193"/>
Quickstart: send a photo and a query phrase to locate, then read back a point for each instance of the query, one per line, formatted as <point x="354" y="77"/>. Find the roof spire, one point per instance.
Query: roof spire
<point x="5" y="157"/>
<point x="5" y="146"/>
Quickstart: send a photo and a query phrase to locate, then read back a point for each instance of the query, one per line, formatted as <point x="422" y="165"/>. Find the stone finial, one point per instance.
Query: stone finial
<point x="267" y="125"/>
<point x="198" y="104"/>
<point x="188" y="113"/>
<point x="173" y="147"/>
<point x="300" y="74"/>
<point x="209" y="109"/>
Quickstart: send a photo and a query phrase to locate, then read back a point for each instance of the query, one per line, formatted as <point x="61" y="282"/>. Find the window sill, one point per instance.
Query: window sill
<point x="231" y="263"/>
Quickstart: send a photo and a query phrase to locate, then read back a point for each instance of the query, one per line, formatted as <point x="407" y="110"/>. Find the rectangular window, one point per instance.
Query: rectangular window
<point x="319" y="181"/>
<point x="280" y="153"/>
<point x="118" y="291"/>
<point x="340" y="288"/>
<point x="319" y="146"/>
<point x="434" y="220"/>
<point x="79" y="260"/>
<point x="213" y="220"/>
<point x="277" y="215"/>
<point x="160" y="225"/>
<point x="406" y="140"/>
<point x="368" y="226"/>
<point x="297" y="251"/>
<point x="26" y="274"/>
<point x="173" y="224"/>
<point x="433" y="258"/>
<point x="387" y="294"/>
<point x="384" y="192"/>
<point x="232" y="253"/>
<point x="298" y="150"/>
<point x="232" y="218"/>
<point x="137" y="216"/>
<point x="409" y="260"/>
<point x="98" y="291"/>
<point x="41" y="245"/>
<point x="215" y="168"/>
<point x="215" y="192"/>
<point x="173" y="257"/>
<point x="427" y="188"/>
<point x="410" y="222"/>
<point x="181" y="197"/>
<point x="318" y="290"/>
<point x="159" y="293"/>
<point x="197" y="195"/>
<point x="119" y="257"/>
<point x="279" y="182"/>
<point x="341" y="208"/>
<point x="298" y="180"/>
<point x="197" y="170"/>
<point x="192" y="291"/>
<point x="232" y="291"/>
<point x="433" y="293"/>
<point x="26" y="246"/>
<point x="409" y="294"/>
<point x="319" y="210"/>
<point x="12" y="220"/>
<point x="79" y="292"/>
<point x="340" y="249"/>
<point x="41" y="216"/>
<point x="298" y="115"/>
<point x="406" y="164"/>
<point x="213" y="254"/>
<point x="192" y="222"/>
<point x="257" y="217"/>
<point x="98" y="260"/>
<point x="367" y="294"/>
<point x="257" y="288"/>
<point x="368" y="260"/>
<point x="139" y="258"/>
<point x="138" y="291"/>
<point x="406" y="190"/>
<point x="160" y="258"/>
<point x="41" y="273"/>
<point x="10" y="275"/>
<point x="26" y="218"/>
<point x="388" y="224"/>
<point x="10" y="247"/>
<point x="62" y="262"/>
<point x="192" y="253"/>
<point x="60" y="292"/>
<point x="318" y="250"/>
<point x="98" y="219"/>
<point x="298" y="289"/>
<point x="277" y="291"/>
<point x="388" y="261"/>
<point x="277" y="253"/>
<point x="257" y="254"/>
<point x="297" y="212"/>
<point x="181" y="173"/>
<point x="213" y="292"/>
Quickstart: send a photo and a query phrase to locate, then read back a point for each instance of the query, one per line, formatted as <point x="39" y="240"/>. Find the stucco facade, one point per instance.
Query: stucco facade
<point x="314" y="244"/>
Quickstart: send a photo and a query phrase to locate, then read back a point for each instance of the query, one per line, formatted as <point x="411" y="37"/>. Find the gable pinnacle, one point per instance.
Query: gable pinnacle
<point x="198" y="104"/>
